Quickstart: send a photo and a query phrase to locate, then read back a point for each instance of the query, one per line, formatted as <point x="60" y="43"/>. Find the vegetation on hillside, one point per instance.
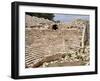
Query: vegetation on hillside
<point x="49" y="16"/>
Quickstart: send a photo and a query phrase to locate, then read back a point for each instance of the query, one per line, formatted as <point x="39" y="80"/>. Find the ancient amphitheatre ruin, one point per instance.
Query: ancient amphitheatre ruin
<point x="51" y="44"/>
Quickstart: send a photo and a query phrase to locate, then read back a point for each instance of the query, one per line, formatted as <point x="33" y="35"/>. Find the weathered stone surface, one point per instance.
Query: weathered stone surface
<point x="35" y="22"/>
<point x="45" y="45"/>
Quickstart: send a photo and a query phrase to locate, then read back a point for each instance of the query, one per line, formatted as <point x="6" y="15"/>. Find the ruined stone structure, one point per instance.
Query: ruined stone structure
<point x="48" y="41"/>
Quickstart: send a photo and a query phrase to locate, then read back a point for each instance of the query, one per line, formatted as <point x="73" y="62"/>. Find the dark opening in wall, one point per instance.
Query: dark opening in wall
<point x="54" y="27"/>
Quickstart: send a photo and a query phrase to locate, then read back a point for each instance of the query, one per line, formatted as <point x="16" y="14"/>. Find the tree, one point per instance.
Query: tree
<point x="49" y="16"/>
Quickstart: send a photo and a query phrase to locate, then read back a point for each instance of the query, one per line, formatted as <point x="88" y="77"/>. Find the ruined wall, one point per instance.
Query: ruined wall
<point x="54" y="39"/>
<point x="41" y="43"/>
